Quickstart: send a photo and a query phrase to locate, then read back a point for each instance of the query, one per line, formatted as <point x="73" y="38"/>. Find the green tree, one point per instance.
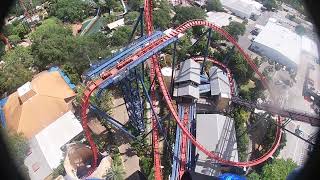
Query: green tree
<point x="161" y="15"/>
<point x="116" y="172"/>
<point x="131" y="17"/>
<point x="184" y="14"/>
<point x="146" y="165"/>
<point x="254" y="176"/>
<point x="161" y="19"/>
<point x="121" y="36"/>
<point x="278" y="169"/>
<point x="13" y="75"/>
<point x="52" y="43"/>
<point x="21" y="55"/>
<point x="21" y="30"/>
<point x="14" y="39"/>
<point x="69" y="10"/>
<point x="240" y="118"/>
<point x="235" y="29"/>
<point x="18" y="146"/>
<point x="59" y="170"/>
<point x="269" y="4"/>
<point x="135" y="4"/>
<point x="241" y="70"/>
<point x="214" y="5"/>
<point x="16" y="28"/>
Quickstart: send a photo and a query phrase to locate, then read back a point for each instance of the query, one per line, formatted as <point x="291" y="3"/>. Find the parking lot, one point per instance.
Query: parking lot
<point x="289" y="97"/>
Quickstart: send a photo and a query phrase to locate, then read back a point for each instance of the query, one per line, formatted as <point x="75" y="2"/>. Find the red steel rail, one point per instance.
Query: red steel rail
<point x="155" y="133"/>
<point x="150" y="47"/>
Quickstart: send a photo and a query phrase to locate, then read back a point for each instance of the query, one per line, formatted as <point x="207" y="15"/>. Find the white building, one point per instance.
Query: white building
<point x="46" y="147"/>
<point x="242" y="8"/>
<point x="221" y="18"/>
<point x="217" y="134"/>
<point x="283" y="45"/>
<point x="220" y="87"/>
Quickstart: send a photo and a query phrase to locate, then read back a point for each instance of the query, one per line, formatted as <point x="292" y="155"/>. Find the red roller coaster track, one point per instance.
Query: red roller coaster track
<point x="182" y="28"/>
<point x="155" y="134"/>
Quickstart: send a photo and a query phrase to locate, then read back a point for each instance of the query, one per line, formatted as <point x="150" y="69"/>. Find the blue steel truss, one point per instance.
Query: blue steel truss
<point x="177" y="145"/>
<point x="109" y="62"/>
<point x="132" y="97"/>
<point x="111" y="120"/>
<point x="190" y="159"/>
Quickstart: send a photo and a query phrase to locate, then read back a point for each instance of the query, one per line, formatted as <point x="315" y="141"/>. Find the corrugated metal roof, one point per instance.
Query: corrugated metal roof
<point x="281" y="40"/>
<point x="217" y="134"/>
<point x="189" y="71"/>
<point x="186" y="90"/>
<point x="56" y="135"/>
<point x="219" y="82"/>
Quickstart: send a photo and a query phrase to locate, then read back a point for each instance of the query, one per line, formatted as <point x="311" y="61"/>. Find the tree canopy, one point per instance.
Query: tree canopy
<point x="12" y="76"/>
<point x="269" y="4"/>
<point x="278" y="169"/>
<point x="214" y="5"/>
<point x="184" y="14"/>
<point x="235" y="29"/>
<point x="131" y="17"/>
<point x="135" y="4"/>
<point x="161" y="15"/>
<point x="121" y="36"/>
<point x="69" y="10"/>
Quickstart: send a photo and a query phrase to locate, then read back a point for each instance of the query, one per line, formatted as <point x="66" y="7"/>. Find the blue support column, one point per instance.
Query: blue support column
<point x="132" y="97"/>
<point x="111" y="120"/>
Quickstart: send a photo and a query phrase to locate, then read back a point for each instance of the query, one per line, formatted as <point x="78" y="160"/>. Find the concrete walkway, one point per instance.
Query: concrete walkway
<point x="129" y="158"/>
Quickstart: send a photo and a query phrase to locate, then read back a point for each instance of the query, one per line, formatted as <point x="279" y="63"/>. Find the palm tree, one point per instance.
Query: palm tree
<point x="116" y="172"/>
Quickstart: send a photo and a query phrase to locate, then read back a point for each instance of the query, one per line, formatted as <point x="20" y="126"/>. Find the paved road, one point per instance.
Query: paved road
<point x="296" y="149"/>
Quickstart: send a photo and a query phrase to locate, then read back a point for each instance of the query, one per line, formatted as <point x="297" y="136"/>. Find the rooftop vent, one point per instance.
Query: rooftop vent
<point x="25" y="92"/>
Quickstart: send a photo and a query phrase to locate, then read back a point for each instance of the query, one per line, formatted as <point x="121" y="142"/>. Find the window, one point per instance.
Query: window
<point x="35" y="167"/>
<point x="29" y="151"/>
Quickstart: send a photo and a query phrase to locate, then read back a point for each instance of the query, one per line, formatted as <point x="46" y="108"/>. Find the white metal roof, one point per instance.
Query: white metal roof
<point x="219" y="82"/>
<point x="166" y="71"/>
<point x="245" y="6"/>
<point x="186" y="90"/>
<point x="280" y="39"/>
<point x="221" y="18"/>
<point x="217" y="134"/>
<point x="24" y="89"/>
<point x="189" y="71"/>
<point x="57" y="134"/>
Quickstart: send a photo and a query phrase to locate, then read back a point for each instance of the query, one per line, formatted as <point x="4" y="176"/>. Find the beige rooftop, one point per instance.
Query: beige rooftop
<point x="38" y="103"/>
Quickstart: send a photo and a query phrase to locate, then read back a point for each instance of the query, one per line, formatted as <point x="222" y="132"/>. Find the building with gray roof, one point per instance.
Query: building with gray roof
<point x="217" y="134"/>
<point x="189" y="71"/>
<point x="219" y="87"/>
<point x="187" y="80"/>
